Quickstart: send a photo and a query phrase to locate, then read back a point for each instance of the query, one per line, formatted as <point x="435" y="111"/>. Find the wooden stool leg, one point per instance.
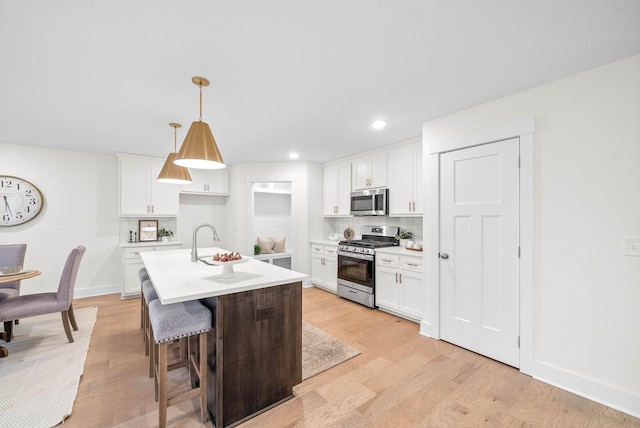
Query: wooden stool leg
<point x="202" y="371"/>
<point x="162" y="384"/>
<point x="152" y="351"/>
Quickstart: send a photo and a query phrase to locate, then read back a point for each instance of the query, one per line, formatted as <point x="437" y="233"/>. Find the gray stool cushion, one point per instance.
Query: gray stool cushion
<point x="143" y="275"/>
<point x="177" y="320"/>
<point x="148" y="291"/>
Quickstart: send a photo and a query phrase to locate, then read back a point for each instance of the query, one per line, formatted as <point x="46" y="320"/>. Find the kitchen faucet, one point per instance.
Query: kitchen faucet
<point x="194" y="247"/>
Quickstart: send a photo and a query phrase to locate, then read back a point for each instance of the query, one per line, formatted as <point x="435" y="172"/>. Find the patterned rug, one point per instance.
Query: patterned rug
<point x="321" y="351"/>
<point x="40" y="376"/>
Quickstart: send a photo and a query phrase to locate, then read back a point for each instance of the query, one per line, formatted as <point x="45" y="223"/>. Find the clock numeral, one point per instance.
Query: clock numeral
<point x="27" y="192"/>
<point x="32" y="201"/>
<point x="6" y="217"/>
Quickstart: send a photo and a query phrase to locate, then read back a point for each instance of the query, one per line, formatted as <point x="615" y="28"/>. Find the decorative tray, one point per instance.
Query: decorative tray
<point x="414" y="249"/>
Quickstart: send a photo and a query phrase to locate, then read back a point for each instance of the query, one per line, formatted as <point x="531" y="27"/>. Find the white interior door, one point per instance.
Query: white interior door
<point x="479" y="249"/>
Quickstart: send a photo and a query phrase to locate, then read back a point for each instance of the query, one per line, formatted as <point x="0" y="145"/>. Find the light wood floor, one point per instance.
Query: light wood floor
<point x="400" y="379"/>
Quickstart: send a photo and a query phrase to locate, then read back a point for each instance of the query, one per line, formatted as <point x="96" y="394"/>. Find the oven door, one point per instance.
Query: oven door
<point x="356" y="271"/>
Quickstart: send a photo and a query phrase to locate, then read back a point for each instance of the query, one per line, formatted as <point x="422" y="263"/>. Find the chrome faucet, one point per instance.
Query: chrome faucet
<point x="194" y="247"/>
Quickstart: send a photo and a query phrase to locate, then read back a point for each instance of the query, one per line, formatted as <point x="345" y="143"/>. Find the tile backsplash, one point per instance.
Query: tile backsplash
<point x="130" y="224"/>
<point x="339" y="224"/>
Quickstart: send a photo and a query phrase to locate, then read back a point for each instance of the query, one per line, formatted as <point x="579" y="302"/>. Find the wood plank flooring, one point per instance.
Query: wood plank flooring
<point x="400" y="379"/>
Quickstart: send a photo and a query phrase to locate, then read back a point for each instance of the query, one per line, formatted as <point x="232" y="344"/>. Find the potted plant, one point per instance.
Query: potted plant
<point x="405" y="236"/>
<point x="164" y="234"/>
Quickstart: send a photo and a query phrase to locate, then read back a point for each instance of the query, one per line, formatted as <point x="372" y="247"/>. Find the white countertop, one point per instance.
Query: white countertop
<point x="402" y="251"/>
<point x="177" y="279"/>
<point x="148" y="244"/>
<point x="324" y="242"/>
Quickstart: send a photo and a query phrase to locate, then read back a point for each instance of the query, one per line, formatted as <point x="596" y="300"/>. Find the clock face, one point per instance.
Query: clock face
<point x="20" y="201"/>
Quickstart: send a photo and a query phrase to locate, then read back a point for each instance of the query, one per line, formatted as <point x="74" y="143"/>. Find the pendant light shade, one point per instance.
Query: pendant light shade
<point x="170" y="172"/>
<point x="199" y="149"/>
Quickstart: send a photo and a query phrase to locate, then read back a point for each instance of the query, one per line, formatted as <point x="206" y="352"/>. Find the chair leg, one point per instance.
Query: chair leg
<point x="8" y="331"/>
<point x="162" y="384"/>
<point x="65" y="323"/>
<point x="202" y="371"/>
<point x="72" y="318"/>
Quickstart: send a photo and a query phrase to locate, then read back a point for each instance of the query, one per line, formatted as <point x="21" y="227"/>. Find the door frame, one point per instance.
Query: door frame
<point x="523" y="130"/>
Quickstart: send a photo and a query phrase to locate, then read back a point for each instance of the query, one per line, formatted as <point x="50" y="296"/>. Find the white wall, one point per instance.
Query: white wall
<point x="586" y="200"/>
<point x="306" y="199"/>
<point x="81" y="208"/>
<point x="198" y="209"/>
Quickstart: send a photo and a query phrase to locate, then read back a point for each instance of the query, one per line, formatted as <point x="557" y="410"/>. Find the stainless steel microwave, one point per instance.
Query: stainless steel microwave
<point x="370" y="202"/>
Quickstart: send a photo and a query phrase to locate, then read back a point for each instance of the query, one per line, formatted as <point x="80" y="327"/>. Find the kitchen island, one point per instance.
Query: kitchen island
<point x="255" y="348"/>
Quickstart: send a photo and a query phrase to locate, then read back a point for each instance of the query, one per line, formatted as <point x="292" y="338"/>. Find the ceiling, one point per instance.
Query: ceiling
<point x="108" y="76"/>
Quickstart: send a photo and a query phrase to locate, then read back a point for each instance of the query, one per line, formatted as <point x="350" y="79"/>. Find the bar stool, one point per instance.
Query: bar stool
<point x="143" y="275"/>
<point x="177" y="321"/>
<point x="148" y="295"/>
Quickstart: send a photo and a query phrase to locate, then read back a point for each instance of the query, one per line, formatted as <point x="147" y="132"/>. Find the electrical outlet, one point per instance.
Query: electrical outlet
<point x="632" y="247"/>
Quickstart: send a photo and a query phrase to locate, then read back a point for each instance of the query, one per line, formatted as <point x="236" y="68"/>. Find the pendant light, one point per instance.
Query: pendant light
<point x="172" y="173"/>
<point x="199" y="149"/>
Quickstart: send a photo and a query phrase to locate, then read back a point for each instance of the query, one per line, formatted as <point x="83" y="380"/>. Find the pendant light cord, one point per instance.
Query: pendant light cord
<point x="200" y="85"/>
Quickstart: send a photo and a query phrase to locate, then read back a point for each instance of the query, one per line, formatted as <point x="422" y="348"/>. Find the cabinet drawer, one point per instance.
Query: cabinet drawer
<point x="134" y="253"/>
<point x="330" y="251"/>
<point x="317" y="249"/>
<point x="412" y="264"/>
<point x="387" y="260"/>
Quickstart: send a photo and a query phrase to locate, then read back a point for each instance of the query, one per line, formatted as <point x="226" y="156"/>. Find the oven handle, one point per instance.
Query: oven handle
<point x="367" y="257"/>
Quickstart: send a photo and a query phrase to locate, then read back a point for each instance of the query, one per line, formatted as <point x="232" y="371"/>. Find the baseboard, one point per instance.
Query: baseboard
<point x="425" y="329"/>
<point x="97" y="291"/>
<point x="592" y="389"/>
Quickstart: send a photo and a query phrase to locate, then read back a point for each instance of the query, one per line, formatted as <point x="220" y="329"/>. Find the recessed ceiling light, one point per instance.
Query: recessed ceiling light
<point x="378" y="124"/>
<point x="293" y="156"/>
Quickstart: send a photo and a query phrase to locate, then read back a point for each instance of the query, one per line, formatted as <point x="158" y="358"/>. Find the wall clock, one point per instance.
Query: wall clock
<point x="20" y="201"/>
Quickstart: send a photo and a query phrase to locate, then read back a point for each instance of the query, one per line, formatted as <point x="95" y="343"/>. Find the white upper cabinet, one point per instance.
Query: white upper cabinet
<point x="208" y="182"/>
<point x="369" y="172"/>
<point x="337" y="189"/>
<point x="405" y="180"/>
<point x="140" y="192"/>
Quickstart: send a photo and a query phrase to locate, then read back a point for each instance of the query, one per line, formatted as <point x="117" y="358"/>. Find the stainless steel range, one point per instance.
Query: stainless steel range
<point x="357" y="263"/>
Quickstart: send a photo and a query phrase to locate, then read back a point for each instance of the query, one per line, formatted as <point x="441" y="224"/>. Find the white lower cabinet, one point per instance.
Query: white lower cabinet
<point x="324" y="266"/>
<point x="132" y="263"/>
<point x="399" y="285"/>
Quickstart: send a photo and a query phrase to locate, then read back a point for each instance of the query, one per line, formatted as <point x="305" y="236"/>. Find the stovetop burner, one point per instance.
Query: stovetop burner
<point x="369" y="243"/>
<point x="372" y="237"/>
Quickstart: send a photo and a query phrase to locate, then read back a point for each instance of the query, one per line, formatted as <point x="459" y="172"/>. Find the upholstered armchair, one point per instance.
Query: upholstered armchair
<point x="30" y="305"/>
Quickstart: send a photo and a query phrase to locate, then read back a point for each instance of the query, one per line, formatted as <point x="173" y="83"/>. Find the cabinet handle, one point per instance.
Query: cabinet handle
<point x="400" y="278"/>
<point x="411" y="264"/>
<point x="414" y="206"/>
<point x="409" y="205"/>
<point x="387" y="260"/>
<point x="396" y="277"/>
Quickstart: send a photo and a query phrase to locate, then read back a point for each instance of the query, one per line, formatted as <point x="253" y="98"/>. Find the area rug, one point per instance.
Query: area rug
<point x="39" y="379"/>
<point x="321" y="351"/>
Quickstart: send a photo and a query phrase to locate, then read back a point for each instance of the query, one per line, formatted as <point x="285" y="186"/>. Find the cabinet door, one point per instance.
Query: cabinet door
<point x="134" y="186"/>
<point x="361" y="173"/>
<point x="164" y="197"/>
<point x="131" y="279"/>
<point x="344" y="190"/>
<point x="411" y="294"/>
<point x="417" y="179"/>
<point x="198" y="182"/>
<point x="218" y="181"/>
<point x="317" y="269"/>
<point x="387" y="290"/>
<point x="378" y="173"/>
<point x="330" y="191"/>
<point x="331" y="273"/>
<point x="401" y="182"/>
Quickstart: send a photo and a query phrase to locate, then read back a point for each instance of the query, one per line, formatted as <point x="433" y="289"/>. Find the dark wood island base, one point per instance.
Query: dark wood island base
<point x="255" y="352"/>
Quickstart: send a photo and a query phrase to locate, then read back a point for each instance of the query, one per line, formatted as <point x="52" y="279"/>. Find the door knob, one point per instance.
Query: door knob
<point x="444" y="256"/>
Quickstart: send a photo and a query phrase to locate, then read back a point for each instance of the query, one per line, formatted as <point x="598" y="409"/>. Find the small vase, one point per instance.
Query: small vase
<point x="165" y="239"/>
<point x="403" y="243"/>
